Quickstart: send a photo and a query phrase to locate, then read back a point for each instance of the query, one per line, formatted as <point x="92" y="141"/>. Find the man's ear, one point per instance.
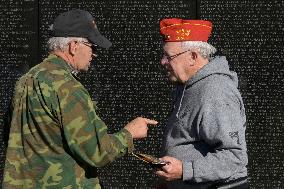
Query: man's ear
<point x="72" y="48"/>
<point x="194" y="55"/>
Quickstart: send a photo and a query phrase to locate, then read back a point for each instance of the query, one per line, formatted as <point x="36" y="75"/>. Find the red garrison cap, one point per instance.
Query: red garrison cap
<point x="175" y="29"/>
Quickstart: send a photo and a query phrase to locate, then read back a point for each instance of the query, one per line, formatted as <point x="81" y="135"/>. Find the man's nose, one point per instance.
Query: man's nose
<point x="164" y="60"/>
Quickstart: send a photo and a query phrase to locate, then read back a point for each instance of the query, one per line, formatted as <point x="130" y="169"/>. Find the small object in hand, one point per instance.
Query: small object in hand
<point x="153" y="161"/>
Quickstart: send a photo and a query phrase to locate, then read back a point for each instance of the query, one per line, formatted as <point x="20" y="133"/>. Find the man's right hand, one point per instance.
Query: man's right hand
<point x="138" y="127"/>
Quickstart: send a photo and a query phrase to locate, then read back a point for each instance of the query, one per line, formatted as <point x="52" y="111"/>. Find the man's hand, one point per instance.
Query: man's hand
<point x="171" y="171"/>
<point x="138" y="127"/>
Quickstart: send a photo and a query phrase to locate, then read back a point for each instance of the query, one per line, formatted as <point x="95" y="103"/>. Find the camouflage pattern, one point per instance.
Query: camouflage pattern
<point x="56" y="138"/>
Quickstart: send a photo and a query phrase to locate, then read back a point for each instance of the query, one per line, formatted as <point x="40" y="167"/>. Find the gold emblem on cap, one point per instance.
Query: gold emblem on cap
<point x="182" y="33"/>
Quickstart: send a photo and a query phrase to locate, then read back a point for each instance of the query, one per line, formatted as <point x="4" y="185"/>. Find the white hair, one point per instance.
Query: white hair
<point x="205" y="49"/>
<point x="61" y="43"/>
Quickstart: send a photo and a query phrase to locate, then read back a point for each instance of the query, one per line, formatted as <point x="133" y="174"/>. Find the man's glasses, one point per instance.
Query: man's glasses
<point x="170" y="58"/>
<point x="93" y="47"/>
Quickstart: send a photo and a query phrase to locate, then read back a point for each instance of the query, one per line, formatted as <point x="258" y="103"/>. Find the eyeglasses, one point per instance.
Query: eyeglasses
<point x="170" y="58"/>
<point x="93" y="47"/>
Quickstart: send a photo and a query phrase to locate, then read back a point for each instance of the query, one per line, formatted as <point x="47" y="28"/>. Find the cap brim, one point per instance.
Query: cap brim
<point x="97" y="39"/>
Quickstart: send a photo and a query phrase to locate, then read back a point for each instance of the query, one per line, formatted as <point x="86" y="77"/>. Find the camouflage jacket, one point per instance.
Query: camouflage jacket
<point x="56" y="138"/>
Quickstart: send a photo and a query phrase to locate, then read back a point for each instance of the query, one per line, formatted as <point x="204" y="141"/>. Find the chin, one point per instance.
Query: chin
<point x="173" y="79"/>
<point x="84" y="69"/>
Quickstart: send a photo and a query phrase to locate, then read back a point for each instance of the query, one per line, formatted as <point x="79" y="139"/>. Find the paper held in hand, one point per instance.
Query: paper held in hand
<point x="153" y="161"/>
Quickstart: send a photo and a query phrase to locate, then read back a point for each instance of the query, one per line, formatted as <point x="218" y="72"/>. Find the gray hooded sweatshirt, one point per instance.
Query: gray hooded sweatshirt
<point x="206" y="129"/>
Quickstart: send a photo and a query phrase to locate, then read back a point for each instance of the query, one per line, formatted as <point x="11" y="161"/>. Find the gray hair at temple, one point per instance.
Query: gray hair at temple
<point x="205" y="49"/>
<point x="61" y="43"/>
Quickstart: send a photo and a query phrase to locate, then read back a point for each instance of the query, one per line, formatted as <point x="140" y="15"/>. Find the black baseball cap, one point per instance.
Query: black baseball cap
<point x="78" y="23"/>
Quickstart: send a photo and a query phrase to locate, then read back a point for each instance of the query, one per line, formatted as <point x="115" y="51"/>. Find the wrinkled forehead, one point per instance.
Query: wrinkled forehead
<point x="171" y="46"/>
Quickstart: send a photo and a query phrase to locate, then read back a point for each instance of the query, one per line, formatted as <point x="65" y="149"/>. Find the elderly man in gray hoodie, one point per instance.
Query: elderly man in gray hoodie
<point x="204" y="140"/>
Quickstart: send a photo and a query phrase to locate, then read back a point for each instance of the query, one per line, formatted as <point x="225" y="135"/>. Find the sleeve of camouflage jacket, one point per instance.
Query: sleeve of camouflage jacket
<point x="85" y="133"/>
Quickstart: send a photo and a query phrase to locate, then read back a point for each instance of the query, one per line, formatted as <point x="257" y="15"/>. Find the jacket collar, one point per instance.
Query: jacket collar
<point x="63" y="64"/>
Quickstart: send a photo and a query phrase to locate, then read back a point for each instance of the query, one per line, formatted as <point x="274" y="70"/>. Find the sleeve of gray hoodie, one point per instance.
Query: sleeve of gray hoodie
<point x="222" y="126"/>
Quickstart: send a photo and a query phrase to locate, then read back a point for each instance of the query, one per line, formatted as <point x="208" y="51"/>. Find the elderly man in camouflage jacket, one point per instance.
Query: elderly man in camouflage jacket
<point x="56" y="138"/>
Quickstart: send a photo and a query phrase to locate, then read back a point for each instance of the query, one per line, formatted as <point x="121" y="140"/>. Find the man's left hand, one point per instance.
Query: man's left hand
<point x="172" y="170"/>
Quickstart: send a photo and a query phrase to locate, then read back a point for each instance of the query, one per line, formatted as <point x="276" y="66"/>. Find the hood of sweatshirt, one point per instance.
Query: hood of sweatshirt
<point x="218" y="65"/>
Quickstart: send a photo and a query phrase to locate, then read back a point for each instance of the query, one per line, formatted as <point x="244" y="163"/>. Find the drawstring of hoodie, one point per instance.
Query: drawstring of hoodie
<point x="180" y="102"/>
